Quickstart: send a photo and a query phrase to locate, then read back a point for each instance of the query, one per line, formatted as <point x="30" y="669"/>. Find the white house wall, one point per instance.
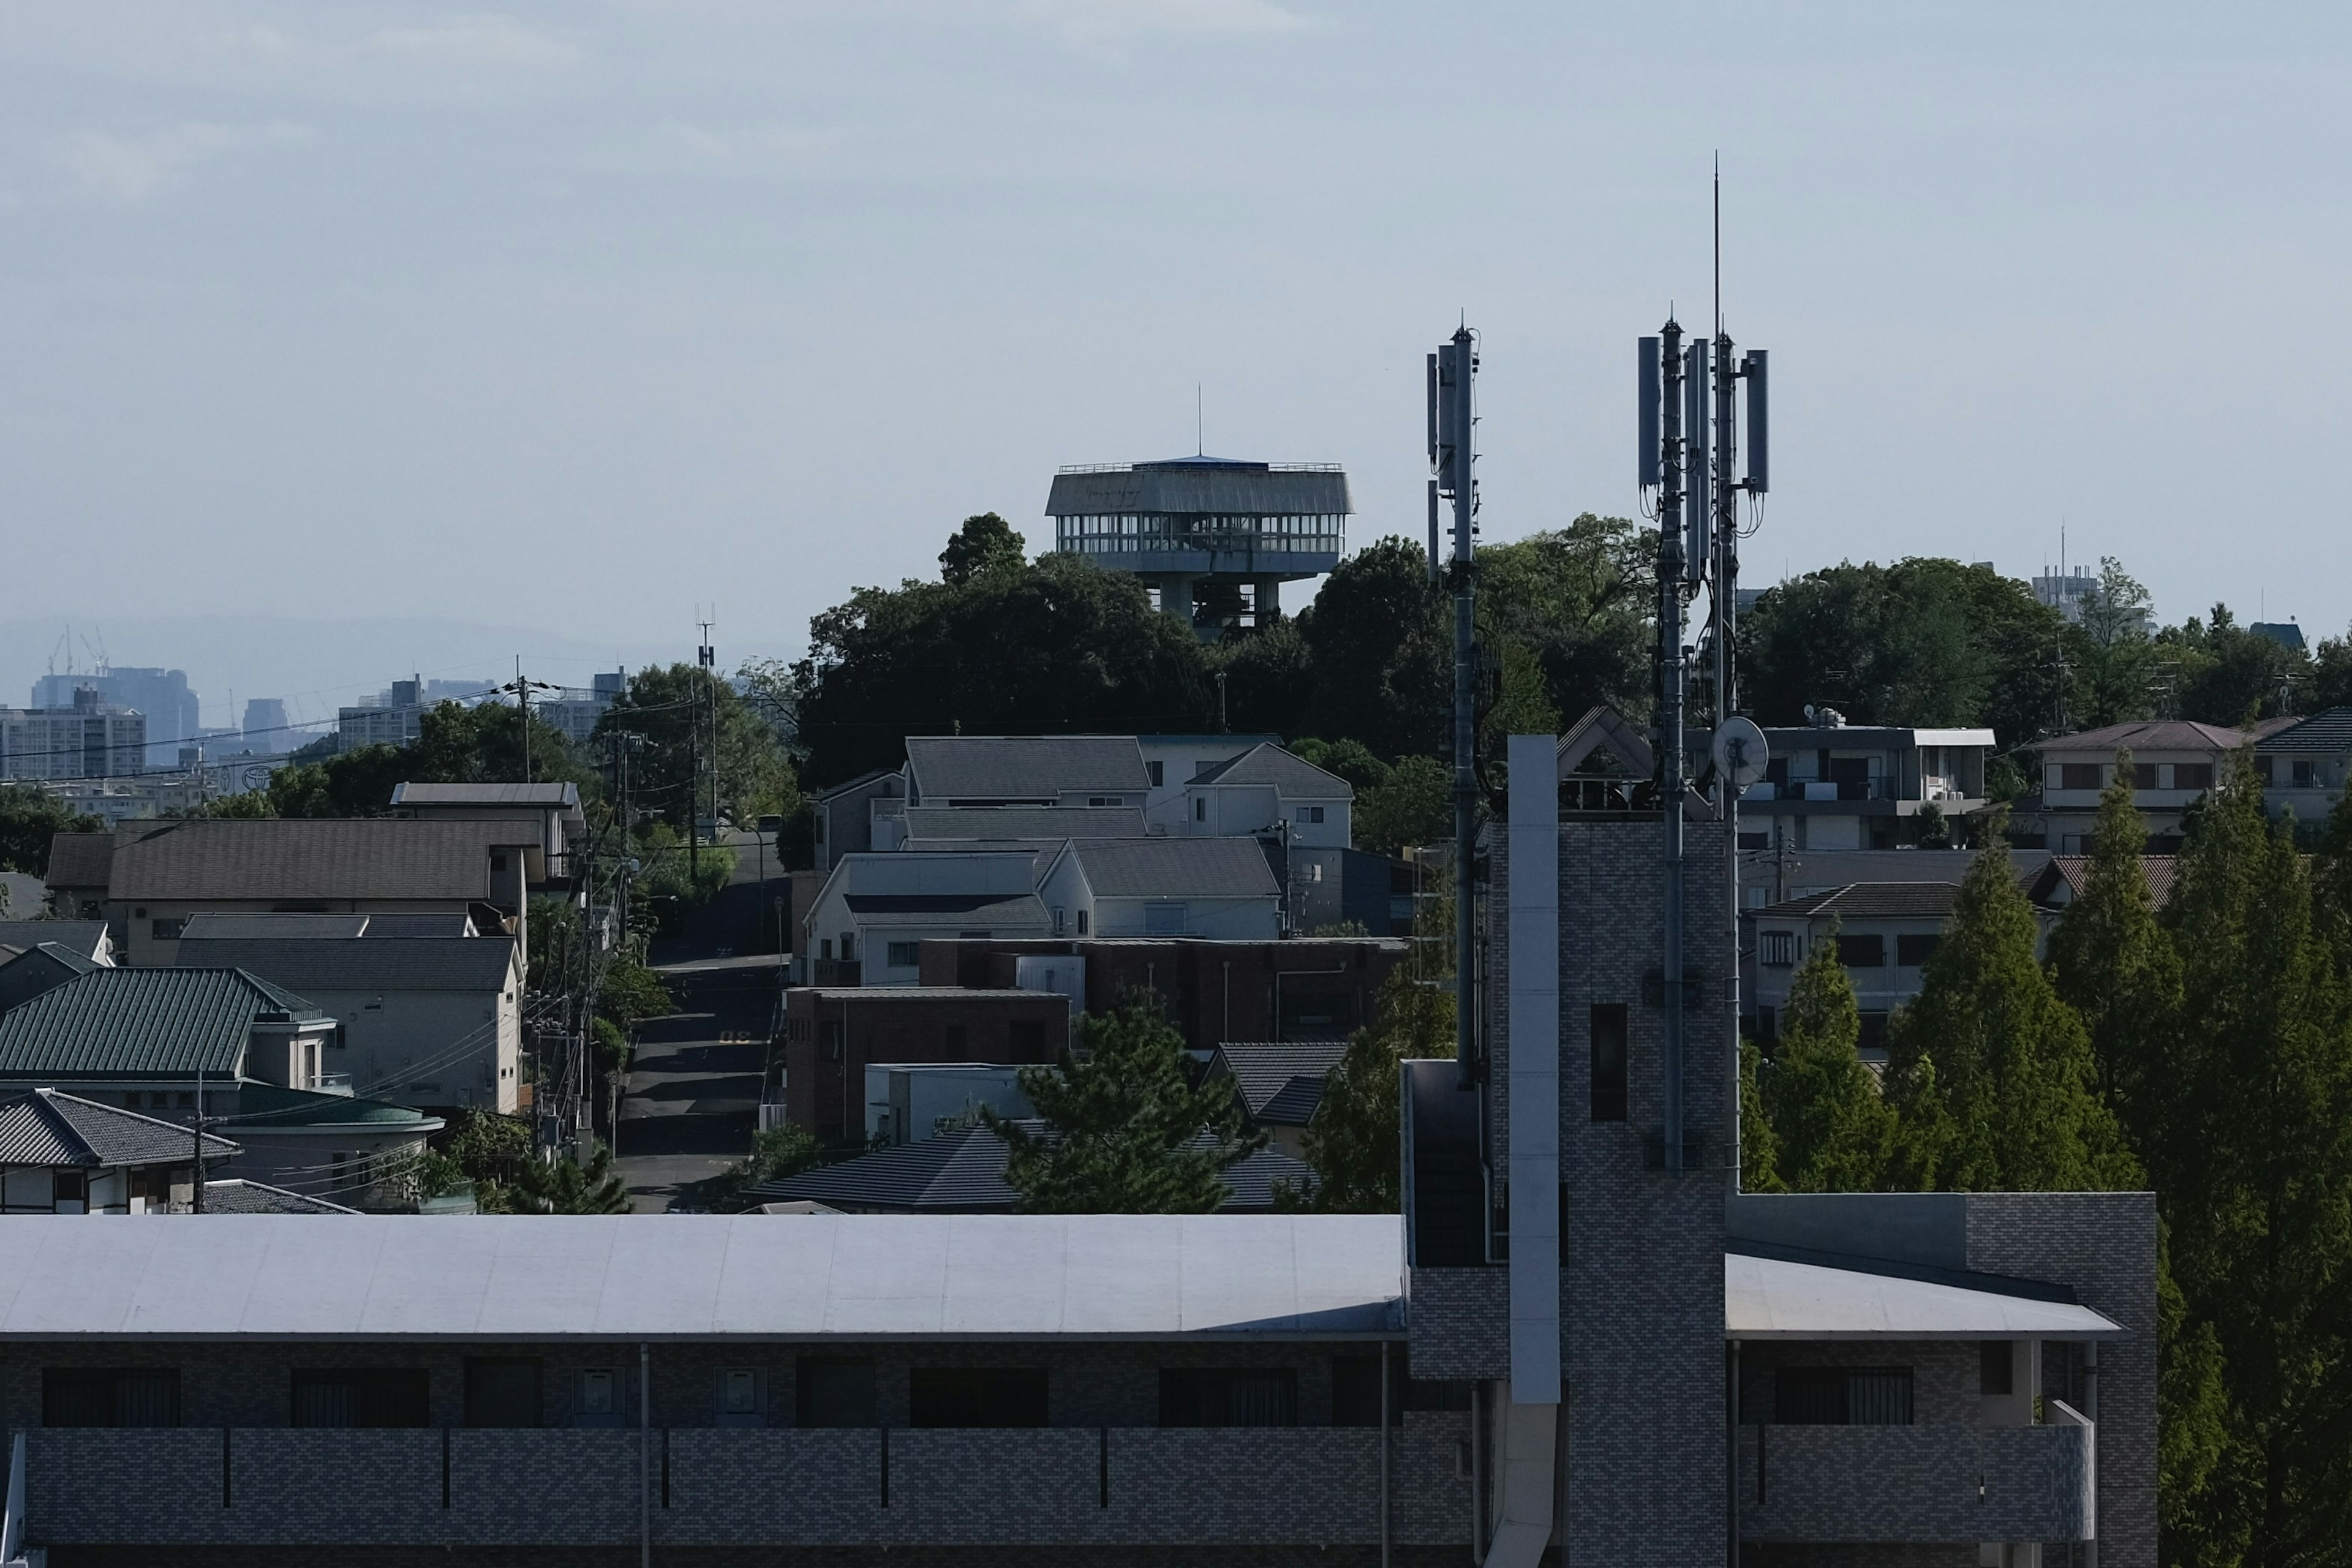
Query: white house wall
<point x="1227" y="920"/>
<point x="429" y="1048"/>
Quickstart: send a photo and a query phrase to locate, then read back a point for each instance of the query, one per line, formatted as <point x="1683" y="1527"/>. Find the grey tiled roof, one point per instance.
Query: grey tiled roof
<point x="140" y="1023"/>
<point x="307" y="965"/>
<point x="1031" y="823"/>
<point x="358" y="858"/>
<point x="1874" y="901"/>
<point x="242" y="925"/>
<point x="2329" y="733"/>
<point x="1023" y="767"/>
<point x="552" y="795"/>
<point x="1270" y="764"/>
<point x="964" y="1173"/>
<point x="82" y="937"/>
<point x="255" y="1197"/>
<point x="79" y="860"/>
<point x="46" y="1127"/>
<point x="1176" y="869"/>
<point x="1281" y="1082"/>
<point x="951" y="909"/>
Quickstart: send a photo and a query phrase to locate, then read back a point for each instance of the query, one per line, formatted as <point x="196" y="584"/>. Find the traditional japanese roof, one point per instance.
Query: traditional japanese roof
<point x="962" y="1171"/>
<point x="1280" y="1082"/>
<point x="1293" y="776"/>
<point x="237" y="1196"/>
<point x="2148" y="735"/>
<point x="943" y="769"/>
<point x="2074" y="872"/>
<point x="143" y="1022"/>
<point x="1872" y="900"/>
<point x="48" y="1127"/>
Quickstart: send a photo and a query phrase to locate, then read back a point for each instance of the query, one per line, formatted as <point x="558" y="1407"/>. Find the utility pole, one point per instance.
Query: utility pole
<point x="197" y="1187"/>
<point x="1452" y="420"/>
<point x="705" y="660"/>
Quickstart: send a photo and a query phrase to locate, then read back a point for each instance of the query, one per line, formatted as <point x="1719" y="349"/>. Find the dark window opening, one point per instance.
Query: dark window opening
<point x="1027" y="1037"/>
<point x="1609" y="1061"/>
<point x="1996" y="1370"/>
<point x="2143" y="775"/>
<point x="828" y="1392"/>
<point x="1191" y="1398"/>
<point x="976" y="1397"/>
<point x="386" y="1396"/>
<point x="1867" y="951"/>
<point x="2078" y="776"/>
<point x="1843" y="1396"/>
<point x="502" y="1391"/>
<point x="88" y="1397"/>
<point x="2193" y="775"/>
<point x="1910" y="952"/>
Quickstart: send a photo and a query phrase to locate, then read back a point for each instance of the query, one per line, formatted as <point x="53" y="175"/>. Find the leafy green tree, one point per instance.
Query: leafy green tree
<point x="1354" y="1141"/>
<point x="2116" y="666"/>
<point x="29" y="819"/>
<point x="1582" y="603"/>
<point x="1350" y="760"/>
<point x="1414" y="806"/>
<point x="1759" y="1145"/>
<point x="1128" y="1131"/>
<point x="2220" y="673"/>
<point x="1265" y="679"/>
<point x="1990" y="1072"/>
<point x="454" y="745"/>
<point x="985" y="546"/>
<point x="569" y="1187"/>
<point x="1833" y="1127"/>
<point x="2331" y="676"/>
<point x="776" y="1153"/>
<point x="2254" y="1170"/>
<point x="1379" y="652"/>
<point x="481" y="1147"/>
<point x="630" y="992"/>
<point x="2115" y="966"/>
<point x="678" y="709"/>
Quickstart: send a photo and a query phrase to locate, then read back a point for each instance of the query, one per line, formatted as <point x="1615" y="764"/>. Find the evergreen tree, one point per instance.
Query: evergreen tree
<point x="984" y="546"/>
<point x="1989" y="1070"/>
<point x="1759" y="1146"/>
<point x="1354" y="1141"/>
<point x="2253" y="1169"/>
<point x="567" y="1186"/>
<point x="1832" y="1126"/>
<point x="2114" y="964"/>
<point x="1128" y="1132"/>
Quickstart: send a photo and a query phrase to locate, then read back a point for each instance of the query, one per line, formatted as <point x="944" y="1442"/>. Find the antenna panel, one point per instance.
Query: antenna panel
<point x="1759" y="475"/>
<point x="1450" y="435"/>
<point x="1432" y="410"/>
<point x="1433" y="559"/>
<point x="1699" y="507"/>
<point x="1646" y="465"/>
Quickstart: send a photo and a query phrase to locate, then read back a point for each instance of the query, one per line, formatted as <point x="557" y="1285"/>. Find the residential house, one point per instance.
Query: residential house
<point x="846" y="813"/>
<point x="79" y="867"/>
<point x="2062" y="879"/>
<point x="1833" y="786"/>
<point x="2174" y="761"/>
<point x="961" y="1170"/>
<point x="907" y="1102"/>
<point x="835" y="1036"/>
<point x="161" y="874"/>
<point x="1025" y="770"/>
<point x="552" y="809"/>
<point x="1266" y="790"/>
<point x="426" y="1020"/>
<point x="247" y="1056"/>
<point x="25" y="973"/>
<point x="1605" y="763"/>
<point x="1221" y="887"/>
<point x="60" y="1153"/>
<point x="2302" y="765"/>
<point x="88" y="940"/>
<point x="1279" y="1083"/>
<point x="1173" y="761"/>
<point x="1885" y="932"/>
<point x="866" y="922"/>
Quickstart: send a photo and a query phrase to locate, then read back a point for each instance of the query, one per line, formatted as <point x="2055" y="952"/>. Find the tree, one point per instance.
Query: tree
<point x="1832" y="1127"/>
<point x="1353" y="1140"/>
<point x="630" y="992"/>
<point x="2114" y="964"/>
<point x="1990" y="1072"/>
<point x="2221" y="673"/>
<point x="985" y="546"/>
<point x="2115" y="664"/>
<point x="1414" y="806"/>
<point x="1127" y="1132"/>
<point x="454" y="745"/>
<point x="679" y="711"/>
<point x="2331" y="675"/>
<point x="778" y="1152"/>
<point x="1380" y="651"/>
<point x="567" y="1186"/>
<point x="1580" y="602"/>
<point x="29" y="819"/>
<point x="1759" y="1146"/>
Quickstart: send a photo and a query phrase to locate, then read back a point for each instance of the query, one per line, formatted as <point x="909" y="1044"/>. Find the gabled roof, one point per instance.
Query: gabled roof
<point x="1024" y="823"/>
<point x="238" y="1196"/>
<point x="309" y="965"/>
<point x="944" y="768"/>
<point x="48" y="1127"/>
<point x="79" y="860"/>
<point x="962" y="1171"/>
<point x="327" y="858"/>
<point x="1280" y="1082"/>
<point x="142" y="1022"/>
<point x="2074" y="872"/>
<point x="2329" y="732"/>
<point x="1293" y="776"/>
<point x="554" y="797"/>
<point x="84" y="938"/>
<point x="1176" y="869"/>
<point x="992" y="910"/>
<point x="2148" y="735"/>
<point x="1605" y="731"/>
<point x="1873" y="901"/>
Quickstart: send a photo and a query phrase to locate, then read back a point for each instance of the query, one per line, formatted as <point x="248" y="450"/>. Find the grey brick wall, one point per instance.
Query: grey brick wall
<point x="1459" y="1322"/>
<point x="1945" y="1483"/>
<point x="1946" y="1375"/>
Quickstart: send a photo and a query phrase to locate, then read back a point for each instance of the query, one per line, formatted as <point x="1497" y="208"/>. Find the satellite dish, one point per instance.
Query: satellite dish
<point x="1740" y="751"/>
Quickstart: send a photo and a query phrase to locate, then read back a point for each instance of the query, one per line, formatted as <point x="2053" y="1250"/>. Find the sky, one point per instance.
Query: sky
<point x="567" y="323"/>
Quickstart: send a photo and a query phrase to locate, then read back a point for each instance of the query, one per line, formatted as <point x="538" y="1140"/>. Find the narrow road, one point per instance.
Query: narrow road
<point x="693" y="1094"/>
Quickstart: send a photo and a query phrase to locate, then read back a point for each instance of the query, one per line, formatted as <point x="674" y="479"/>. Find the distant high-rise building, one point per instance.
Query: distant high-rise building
<point x="265" y="726"/>
<point x="161" y="695"/>
<point x="575" y="711"/>
<point x="87" y="739"/>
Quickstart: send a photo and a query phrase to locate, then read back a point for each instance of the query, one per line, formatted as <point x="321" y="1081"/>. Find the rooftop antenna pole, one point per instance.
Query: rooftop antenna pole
<point x="1674" y="465"/>
<point x="1451" y="425"/>
<point x="1200" y="423"/>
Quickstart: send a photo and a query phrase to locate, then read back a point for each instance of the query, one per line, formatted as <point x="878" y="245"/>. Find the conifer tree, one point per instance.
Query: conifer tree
<point x="1989" y="1070"/>
<point x="2115" y="966"/>
<point x="1832" y="1126"/>
<point x="1354" y="1140"/>
<point x="1759" y="1146"/>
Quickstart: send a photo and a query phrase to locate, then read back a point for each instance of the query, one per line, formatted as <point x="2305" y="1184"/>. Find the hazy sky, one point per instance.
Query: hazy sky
<point x="574" y="316"/>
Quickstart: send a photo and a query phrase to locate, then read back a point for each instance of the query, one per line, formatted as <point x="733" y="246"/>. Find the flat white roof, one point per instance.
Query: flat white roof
<point x="1766" y="1299"/>
<point x="670" y="1277"/>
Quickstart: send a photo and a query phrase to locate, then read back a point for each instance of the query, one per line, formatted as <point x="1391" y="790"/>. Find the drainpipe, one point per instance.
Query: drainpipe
<point x="1384" y="1454"/>
<point x="645" y="1455"/>
<point x="2091" y="1399"/>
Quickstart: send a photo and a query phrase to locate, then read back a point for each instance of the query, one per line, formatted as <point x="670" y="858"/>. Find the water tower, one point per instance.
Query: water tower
<point x="1215" y="537"/>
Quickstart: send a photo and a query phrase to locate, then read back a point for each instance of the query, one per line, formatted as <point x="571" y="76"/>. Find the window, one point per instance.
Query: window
<point x="1312" y="813"/>
<point x="1158" y="773"/>
<point x="1356" y="1390"/>
<point x="831" y="1392"/>
<point x="502" y="1391"/>
<point x="1609" y="1061"/>
<point x="1912" y="951"/>
<point x="1873" y="1032"/>
<point x="825" y="948"/>
<point x="2303" y="772"/>
<point x="1082" y="922"/>
<point x="976" y="1397"/>
<point x="849" y="947"/>
<point x="1777" y="948"/>
<point x="79" y="1396"/>
<point x="2144" y="775"/>
<point x="739" y="1397"/>
<point x="1200" y="808"/>
<point x="596" y="1395"/>
<point x="1843" y="1396"/>
<point x="1060" y="915"/>
<point x="1252" y="1397"/>
<point x="834" y="1032"/>
<point x="1867" y="951"/>
<point x="166" y="930"/>
<point x="901" y="955"/>
<point x="2078" y="776"/>
<point x="2263" y="766"/>
<point x="2192" y="776"/>
<point x="1997" y="1369"/>
<point x="1106" y="800"/>
<point x="375" y="1396"/>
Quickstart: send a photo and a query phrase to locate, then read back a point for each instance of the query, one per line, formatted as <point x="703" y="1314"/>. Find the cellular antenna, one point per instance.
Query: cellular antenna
<point x="1200" y="423"/>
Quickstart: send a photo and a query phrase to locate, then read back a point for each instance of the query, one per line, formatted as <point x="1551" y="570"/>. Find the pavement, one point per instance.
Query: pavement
<point x="692" y="1099"/>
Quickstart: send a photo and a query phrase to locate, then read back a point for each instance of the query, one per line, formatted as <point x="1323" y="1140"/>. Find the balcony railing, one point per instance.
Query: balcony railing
<point x="567" y="1486"/>
<point x="1919" y="1484"/>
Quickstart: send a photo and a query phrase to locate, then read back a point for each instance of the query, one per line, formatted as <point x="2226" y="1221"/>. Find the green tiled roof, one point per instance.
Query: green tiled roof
<point x="141" y="1023"/>
<point x="260" y="1104"/>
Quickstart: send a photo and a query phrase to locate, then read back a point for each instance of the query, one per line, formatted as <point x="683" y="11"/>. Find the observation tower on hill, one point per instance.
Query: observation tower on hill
<point x="1214" y="537"/>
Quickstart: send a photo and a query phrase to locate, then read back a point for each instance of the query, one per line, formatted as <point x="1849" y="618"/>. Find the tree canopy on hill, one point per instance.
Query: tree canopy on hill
<point x="480" y="745"/>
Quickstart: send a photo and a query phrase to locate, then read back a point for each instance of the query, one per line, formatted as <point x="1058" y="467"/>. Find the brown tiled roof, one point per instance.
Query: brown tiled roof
<point x="2151" y="735"/>
<point x="2075" y="871"/>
